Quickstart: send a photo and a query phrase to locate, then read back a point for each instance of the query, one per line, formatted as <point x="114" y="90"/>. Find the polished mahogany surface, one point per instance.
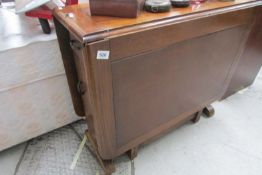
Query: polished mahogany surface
<point x="156" y="87"/>
<point x="83" y="25"/>
<point x="163" y="69"/>
<point x="250" y="61"/>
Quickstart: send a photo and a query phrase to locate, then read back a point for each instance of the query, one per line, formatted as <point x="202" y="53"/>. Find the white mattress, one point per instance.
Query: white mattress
<point x="34" y="95"/>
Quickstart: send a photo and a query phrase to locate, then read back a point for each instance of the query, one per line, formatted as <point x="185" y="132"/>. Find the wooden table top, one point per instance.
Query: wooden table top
<point x="87" y="28"/>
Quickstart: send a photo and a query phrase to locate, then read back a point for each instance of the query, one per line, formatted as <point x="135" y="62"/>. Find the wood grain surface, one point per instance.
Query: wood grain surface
<point x="162" y="68"/>
<point x="90" y="28"/>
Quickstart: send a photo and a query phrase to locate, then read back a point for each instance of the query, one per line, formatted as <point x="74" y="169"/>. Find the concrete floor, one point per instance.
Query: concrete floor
<point x="230" y="143"/>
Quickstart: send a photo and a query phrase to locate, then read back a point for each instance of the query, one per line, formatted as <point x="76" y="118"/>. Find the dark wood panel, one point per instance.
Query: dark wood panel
<point x="250" y="61"/>
<point x="131" y="44"/>
<point x="153" y="88"/>
<point x="70" y="69"/>
<point x="82" y="73"/>
<point x="117" y="8"/>
<point x="101" y="97"/>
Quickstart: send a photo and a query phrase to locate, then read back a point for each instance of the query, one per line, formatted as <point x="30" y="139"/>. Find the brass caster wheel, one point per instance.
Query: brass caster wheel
<point x="209" y="111"/>
<point x="197" y="117"/>
<point x="132" y="153"/>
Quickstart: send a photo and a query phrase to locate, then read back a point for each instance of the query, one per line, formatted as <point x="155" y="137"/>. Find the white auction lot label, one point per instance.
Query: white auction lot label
<point x="102" y="55"/>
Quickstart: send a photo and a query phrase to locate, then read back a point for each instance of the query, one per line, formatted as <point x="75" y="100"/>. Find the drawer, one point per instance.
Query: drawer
<point x="139" y="42"/>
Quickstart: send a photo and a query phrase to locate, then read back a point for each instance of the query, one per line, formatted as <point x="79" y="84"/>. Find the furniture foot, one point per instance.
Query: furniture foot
<point x="107" y="165"/>
<point x="209" y="111"/>
<point x="132" y="153"/>
<point x="45" y="25"/>
<point x="197" y="117"/>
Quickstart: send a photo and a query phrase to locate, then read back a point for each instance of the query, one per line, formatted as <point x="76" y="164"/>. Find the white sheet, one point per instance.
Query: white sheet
<point x="34" y="95"/>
